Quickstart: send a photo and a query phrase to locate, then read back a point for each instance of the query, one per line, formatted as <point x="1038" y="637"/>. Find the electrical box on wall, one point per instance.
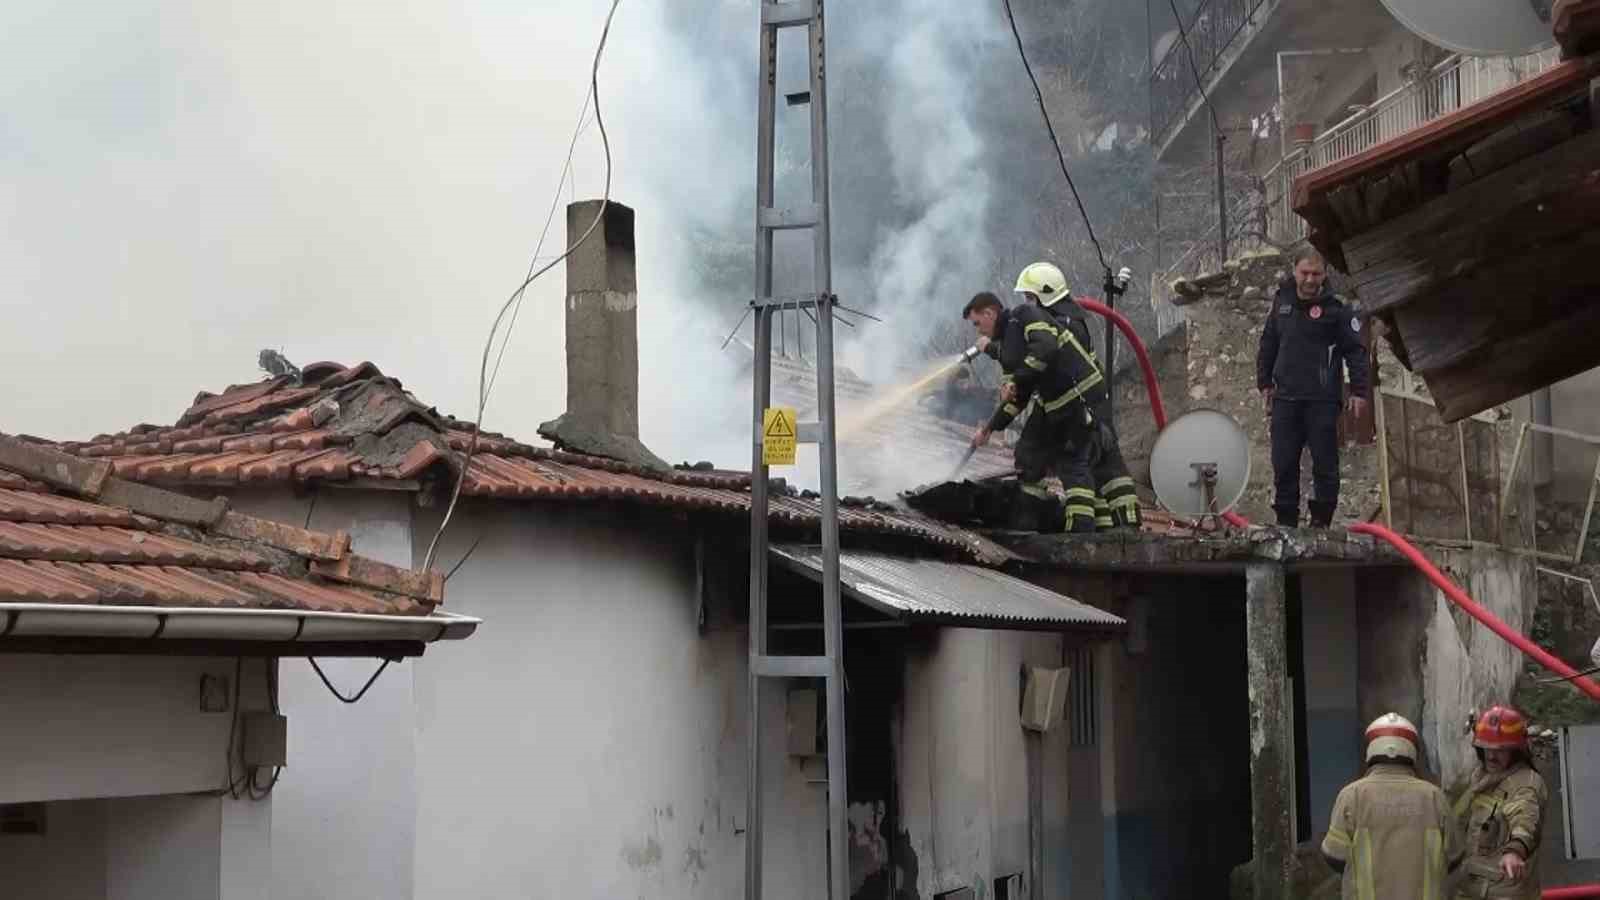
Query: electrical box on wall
<point x="801" y="718"/>
<point x="1044" y="694"/>
<point x="266" y="739"/>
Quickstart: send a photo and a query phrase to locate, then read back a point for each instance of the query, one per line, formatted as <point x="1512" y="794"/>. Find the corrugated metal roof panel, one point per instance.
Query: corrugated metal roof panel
<point x="955" y="592"/>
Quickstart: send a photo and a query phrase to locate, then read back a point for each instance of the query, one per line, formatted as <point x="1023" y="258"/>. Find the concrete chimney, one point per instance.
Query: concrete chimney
<point x="602" y="417"/>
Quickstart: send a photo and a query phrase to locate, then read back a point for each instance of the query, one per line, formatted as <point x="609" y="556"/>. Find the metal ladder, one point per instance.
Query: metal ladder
<point x="776" y="16"/>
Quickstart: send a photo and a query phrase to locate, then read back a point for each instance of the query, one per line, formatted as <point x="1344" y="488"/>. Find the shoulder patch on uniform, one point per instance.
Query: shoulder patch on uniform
<point x="1355" y="324"/>
<point x="1284" y="309"/>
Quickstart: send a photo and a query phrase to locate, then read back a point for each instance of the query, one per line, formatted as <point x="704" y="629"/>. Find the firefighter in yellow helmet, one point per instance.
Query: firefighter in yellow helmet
<point x="1502" y="810"/>
<point x="1116" y="500"/>
<point x="1391" y="834"/>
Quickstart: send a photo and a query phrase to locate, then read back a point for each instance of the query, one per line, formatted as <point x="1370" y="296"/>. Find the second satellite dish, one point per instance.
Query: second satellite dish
<point x="1200" y="464"/>
<point x="1478" y="27"/>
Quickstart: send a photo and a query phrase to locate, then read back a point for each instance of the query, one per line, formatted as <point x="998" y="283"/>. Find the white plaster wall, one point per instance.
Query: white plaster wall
<point x="1465" y="665"/>
<point x="64" y="862"/>
<point x="344" y="819"/>
<point x="166" y="847"/>
<point x="79" y="727"/>
<point x="794" y="857"/>
<point x="963" y="763"/>
<point x="591" y="743"/>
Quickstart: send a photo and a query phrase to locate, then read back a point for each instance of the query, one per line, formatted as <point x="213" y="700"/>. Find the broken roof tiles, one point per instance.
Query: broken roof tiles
<point x="342" y="424"/>
<point x="122" y="544"/>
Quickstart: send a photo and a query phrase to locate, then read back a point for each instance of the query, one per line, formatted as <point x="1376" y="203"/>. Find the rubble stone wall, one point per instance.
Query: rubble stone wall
<point x="1211" y="363"/>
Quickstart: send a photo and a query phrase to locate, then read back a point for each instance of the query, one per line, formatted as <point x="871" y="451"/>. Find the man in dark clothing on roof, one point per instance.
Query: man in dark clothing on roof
<point x="1058" y="384"/>
<point x="1310" y="338"/>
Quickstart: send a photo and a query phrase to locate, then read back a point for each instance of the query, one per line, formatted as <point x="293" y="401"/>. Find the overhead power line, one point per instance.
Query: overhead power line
<point x="1060" y="157"/>
<point x="516" y="296"/>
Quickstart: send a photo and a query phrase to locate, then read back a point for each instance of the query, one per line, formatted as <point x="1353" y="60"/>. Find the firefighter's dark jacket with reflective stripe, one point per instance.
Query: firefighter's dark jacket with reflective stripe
<point x="1043" y="361"/>
<point x="1304" y="344"/>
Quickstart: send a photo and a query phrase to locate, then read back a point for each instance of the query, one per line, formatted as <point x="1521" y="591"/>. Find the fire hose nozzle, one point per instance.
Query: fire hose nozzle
<point x="970" y="354"/>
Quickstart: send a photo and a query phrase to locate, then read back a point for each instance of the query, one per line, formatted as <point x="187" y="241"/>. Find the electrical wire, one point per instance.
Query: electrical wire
<point x="1060" y="156"/>
<point x="483" y="369"/>
<point x="464" y="557"/>
<point x="550" y="217"/>
<point x="1188" y="49"/>
<point x="335" y="691"/>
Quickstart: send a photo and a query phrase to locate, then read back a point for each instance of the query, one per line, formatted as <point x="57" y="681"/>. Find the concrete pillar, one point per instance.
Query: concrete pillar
<point x="602" y="315"/>
<point x="1271" y="748"/>
<point x="602" y="319"/>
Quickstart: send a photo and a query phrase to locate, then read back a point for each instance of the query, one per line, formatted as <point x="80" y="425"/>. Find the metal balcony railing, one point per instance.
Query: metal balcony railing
<point x="1458" y="81"/>
<point x="1216" y="26"/>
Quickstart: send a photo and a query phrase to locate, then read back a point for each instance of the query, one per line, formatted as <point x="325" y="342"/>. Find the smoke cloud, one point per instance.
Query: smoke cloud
<point x="184" y="184"/>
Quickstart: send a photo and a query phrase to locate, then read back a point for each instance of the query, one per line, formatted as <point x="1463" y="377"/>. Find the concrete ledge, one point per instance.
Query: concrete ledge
<point x="1296" y="548"/>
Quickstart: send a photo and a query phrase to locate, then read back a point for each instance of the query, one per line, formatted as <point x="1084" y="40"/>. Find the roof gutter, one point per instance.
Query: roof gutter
<point x="157" y="623"/>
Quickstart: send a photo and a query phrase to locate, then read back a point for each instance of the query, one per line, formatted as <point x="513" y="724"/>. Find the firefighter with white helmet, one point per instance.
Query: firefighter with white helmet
<point x="1502" y="811"/>
<point x="1391" y="834"/>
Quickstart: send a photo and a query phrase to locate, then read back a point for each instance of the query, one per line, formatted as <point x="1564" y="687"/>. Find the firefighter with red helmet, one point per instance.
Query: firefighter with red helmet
<point x="1391" y="833"/>
<point x="1502" y="811"/>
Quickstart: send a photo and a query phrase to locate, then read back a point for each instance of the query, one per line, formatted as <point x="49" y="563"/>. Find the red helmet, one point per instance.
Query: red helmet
<point x="1500" y="728"/>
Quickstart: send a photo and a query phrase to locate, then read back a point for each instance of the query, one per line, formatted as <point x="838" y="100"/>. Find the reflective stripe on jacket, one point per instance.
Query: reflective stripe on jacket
<point x="1498" y="814"/>
<point x="1394" y="835"/>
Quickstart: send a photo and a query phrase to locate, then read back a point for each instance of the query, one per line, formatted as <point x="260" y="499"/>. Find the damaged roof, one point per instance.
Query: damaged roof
<point x="355" y="426"/>
<point x="73" y="533"/>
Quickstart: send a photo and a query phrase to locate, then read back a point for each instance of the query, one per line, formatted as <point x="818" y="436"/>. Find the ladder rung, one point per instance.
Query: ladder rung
<point x="796" y="217"/>
<point x="791" y="666"/>
<point x="794" y="12"/>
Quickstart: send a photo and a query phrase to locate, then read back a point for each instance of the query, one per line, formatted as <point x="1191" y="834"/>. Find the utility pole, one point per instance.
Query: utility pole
<point x="814" y="217"/>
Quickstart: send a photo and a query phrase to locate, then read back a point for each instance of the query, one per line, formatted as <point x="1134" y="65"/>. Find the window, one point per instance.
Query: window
<point x="1083" y="709"/>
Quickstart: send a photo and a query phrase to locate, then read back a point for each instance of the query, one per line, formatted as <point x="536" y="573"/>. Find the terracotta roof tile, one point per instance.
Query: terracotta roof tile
<point x="280" y="431"/>
<point x="63" y="549"/>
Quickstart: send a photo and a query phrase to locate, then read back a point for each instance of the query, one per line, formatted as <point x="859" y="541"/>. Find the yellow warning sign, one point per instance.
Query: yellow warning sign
<point x="778" y="436"/>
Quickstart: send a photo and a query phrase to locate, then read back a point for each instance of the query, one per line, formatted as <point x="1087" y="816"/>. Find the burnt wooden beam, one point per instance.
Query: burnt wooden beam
<point x="1499" y="237"/>
<point x="1519" y="365"/>
<point x="1576" y="24"/>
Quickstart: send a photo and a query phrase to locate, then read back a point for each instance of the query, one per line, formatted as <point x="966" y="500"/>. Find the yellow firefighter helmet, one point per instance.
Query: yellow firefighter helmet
<point x="1044" y="281"/>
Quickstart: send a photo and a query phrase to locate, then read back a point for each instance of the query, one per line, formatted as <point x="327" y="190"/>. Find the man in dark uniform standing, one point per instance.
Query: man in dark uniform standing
<point x="1310" y="338"/>
<point x="1058" y="383"/>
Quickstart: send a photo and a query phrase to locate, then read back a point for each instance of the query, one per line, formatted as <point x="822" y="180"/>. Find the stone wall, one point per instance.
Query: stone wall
<point x="1211" y="363"/>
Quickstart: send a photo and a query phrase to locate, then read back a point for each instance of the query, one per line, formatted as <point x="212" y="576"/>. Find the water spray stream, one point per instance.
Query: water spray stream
<point x="893" y="400"/>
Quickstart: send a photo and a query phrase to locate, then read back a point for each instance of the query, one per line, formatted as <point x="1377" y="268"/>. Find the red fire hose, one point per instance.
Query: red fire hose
<point x="1412" y="555"/>
<point x="1473" y="609"/>
<point x="1152" y="387"/>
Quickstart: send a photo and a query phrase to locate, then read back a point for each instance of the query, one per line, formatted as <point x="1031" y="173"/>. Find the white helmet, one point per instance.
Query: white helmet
<point x="1044" y="281"/>
<point x="1391" y="735"/>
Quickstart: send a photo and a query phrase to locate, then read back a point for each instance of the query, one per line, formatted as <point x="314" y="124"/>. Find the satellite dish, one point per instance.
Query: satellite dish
<point x="1200" y="464"/>
<point x="1478" y="27"/>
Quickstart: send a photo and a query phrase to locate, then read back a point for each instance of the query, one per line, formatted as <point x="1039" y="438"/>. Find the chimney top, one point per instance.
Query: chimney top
<point x="602" y="330"/>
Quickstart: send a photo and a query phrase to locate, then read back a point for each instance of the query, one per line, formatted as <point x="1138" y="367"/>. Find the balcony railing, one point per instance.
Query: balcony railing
<point x="1458" y="81"/>
<point x="1216" y="27"/>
